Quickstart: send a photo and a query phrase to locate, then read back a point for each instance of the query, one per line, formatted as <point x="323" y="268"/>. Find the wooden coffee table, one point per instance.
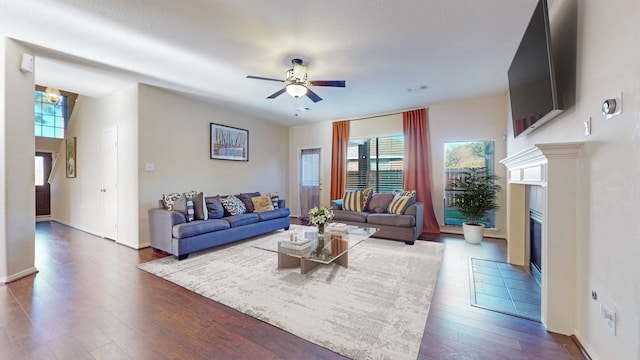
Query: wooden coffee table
<point x="306" y="249"/>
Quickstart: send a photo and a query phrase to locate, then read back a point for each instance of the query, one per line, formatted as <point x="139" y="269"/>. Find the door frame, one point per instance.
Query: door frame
<point x="299" y="156"/>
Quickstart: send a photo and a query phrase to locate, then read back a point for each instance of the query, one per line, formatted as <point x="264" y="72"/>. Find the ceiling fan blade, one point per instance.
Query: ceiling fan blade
<point x="313" y="96"/>
<point x="277" y="93"/>
<point x="263" y="78"/>
<point x="334" y="83"/>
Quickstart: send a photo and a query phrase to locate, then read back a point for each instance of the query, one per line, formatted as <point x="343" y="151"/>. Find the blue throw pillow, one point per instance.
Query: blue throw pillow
<point x="214" y="208"/>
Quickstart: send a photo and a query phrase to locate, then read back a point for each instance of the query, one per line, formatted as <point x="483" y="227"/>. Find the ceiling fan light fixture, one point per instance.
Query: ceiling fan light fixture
<point x="53" y="95"/>
<point x="296" y="90"/>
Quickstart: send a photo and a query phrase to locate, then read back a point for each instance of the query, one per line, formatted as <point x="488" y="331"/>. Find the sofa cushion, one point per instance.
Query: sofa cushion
<point x="233" y="205"/>
<point x="379" y="202"/>
<point x="274" y="214"/>
<point x="400" y="203"/>
<point x="353" y="216"/>
<point x="356" y="200"/>
<point x="246" y="200"/>
<point x="214" y="207"/>
<point x="392" y="220"/>
<point x="241" y="220"/>
<point x="198" y="227"/>
<point x="262" y="203"/>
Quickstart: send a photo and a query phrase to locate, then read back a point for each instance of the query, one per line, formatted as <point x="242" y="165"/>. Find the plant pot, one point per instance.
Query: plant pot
<point x="473" y="233"/>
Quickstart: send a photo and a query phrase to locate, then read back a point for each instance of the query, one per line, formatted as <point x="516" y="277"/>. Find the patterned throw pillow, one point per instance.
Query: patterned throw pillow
<point x="169" y="199"/>
<point x="262" y="203"/>
<point x="399" y="204"/>
<point x="274" y="200"/>
<point x="405" y="192"/>
<point x="366" y="196"/>
<point x="233" y="205"/>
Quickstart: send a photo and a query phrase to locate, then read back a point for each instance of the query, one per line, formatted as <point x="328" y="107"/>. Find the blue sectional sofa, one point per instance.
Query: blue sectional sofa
<point x="172" y="233"/>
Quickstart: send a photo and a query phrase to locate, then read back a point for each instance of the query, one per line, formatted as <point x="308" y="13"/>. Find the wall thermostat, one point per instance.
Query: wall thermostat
<point x="612" y="107"/>
<point x="26" y="65"/>
<point x="609" y="107"/>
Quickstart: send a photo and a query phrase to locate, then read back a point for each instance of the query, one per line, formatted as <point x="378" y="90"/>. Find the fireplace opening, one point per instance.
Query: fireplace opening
<point x="535" y="242"/>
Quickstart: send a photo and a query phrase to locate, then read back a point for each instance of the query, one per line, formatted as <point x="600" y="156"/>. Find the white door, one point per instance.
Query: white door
<point x="110" y="184"/>
<point x="310" y="180"/>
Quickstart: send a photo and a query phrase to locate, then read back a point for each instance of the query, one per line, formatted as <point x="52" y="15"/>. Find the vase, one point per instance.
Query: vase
<point x="321" y="228"/>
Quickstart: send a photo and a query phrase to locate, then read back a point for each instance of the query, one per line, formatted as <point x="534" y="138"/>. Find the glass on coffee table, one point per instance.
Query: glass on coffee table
<point x="305" y="248"/>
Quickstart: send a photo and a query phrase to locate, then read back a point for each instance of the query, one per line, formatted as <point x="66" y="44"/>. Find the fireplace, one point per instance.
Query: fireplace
<point x="535" y="244"/>
<point x="553" y="168"/>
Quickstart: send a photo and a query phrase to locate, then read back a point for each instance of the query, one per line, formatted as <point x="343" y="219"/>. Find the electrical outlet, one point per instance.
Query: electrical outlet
<point x="587" y="127"/>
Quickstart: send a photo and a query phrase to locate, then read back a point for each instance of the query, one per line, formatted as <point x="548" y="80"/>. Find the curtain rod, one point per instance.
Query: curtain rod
<point x="383" y="114"/>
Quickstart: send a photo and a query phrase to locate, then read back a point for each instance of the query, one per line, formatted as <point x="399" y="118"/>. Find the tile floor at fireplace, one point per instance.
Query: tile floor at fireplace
<point x="504" y="288"/>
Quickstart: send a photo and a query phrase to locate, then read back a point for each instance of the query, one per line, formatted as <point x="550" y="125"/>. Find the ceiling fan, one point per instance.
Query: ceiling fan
<point x="297" y="84"/>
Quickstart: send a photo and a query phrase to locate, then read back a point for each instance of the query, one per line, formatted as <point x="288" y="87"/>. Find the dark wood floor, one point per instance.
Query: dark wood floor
<point x="89" y="301"/>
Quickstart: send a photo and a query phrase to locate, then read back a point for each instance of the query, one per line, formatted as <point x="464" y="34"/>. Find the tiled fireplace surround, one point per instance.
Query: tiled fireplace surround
<point x="555" y="168"/>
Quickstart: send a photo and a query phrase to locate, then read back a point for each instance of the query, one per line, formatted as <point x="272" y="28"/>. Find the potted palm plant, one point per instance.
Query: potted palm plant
<point x="475" y="195"/>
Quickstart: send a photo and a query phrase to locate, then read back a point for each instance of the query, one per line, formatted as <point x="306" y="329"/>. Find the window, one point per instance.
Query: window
<point x="50" y="119"/>
<point x="459" y="156"/>
<point x="375" y="163"/>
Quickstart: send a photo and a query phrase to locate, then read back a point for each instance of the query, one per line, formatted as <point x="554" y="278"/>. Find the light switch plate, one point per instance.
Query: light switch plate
<point x="150" y="167"/>
<point x="587" y="127"/>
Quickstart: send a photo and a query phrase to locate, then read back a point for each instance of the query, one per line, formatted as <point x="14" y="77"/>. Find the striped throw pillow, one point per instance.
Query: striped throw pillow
<point x="399" y="204"/>
<point x="352" y="201"/>
<point x="356" y="200"/>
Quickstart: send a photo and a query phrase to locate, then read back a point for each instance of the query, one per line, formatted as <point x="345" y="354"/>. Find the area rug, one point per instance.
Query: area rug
<point x="504" y="288"/>
<point x="376" y="308"/>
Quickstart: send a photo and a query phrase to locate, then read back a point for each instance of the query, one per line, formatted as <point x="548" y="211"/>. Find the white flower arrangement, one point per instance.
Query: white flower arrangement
<point x="319" y="216"/>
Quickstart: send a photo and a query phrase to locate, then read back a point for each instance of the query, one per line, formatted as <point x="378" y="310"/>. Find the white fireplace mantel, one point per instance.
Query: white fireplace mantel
<point x="555" y="168"/>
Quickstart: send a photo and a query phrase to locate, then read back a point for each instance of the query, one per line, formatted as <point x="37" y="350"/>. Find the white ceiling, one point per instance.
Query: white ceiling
<point x="459" y="49"/>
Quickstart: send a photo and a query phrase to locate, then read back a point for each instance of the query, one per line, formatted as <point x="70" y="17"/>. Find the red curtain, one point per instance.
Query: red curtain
<point x="416" y="164"/>
<point x="340" y="141"/>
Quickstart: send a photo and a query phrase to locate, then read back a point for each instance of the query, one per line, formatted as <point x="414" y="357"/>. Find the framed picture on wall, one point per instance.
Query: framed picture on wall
<point x="229" y="143"/>
<point x="71" y="157"/>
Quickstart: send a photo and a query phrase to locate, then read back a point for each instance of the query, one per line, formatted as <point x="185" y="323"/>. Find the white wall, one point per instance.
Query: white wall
<point x="608" y="246"/>
<point x="17" y="149"/>
<point x="174" y="136"/>
<point x="78" y="201"/>
<point x="467" y="120"/>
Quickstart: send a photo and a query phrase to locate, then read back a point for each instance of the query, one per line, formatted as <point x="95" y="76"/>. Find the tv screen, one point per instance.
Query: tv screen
<point x="532" y="85"/>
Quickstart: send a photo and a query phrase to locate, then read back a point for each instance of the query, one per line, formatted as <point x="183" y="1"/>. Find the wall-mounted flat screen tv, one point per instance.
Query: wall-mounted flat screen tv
<point x="532" y="83"/>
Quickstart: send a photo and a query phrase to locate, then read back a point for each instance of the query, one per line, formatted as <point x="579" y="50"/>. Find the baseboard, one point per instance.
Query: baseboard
<point x="43" y="218"/>
<point x="17" y="276"/>
<point x="136" y="247"/>
<point x="584" y="346"/>
<point x="74" y="226"/>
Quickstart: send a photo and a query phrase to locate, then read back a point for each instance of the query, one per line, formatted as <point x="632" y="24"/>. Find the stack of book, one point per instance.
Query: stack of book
<point x="298" y="247"/>
<point x="336" y="227"/>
